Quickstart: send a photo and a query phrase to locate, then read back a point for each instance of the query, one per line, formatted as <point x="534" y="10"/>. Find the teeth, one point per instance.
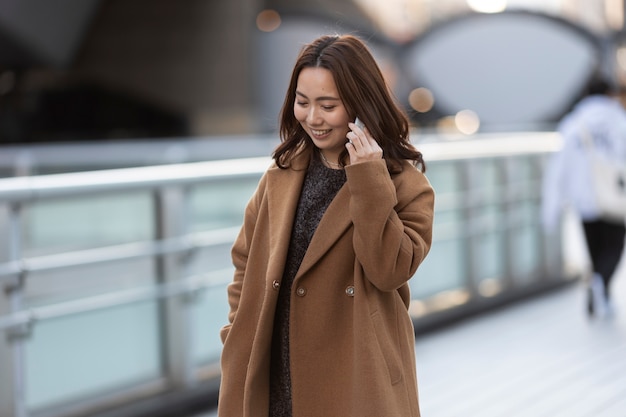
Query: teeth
<point x="320" y="132"/>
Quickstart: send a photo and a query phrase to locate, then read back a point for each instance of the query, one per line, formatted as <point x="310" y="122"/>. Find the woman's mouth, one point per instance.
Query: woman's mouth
<point x="320" y="133"/>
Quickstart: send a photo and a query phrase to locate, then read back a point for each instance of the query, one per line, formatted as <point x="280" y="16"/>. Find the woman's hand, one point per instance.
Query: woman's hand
<point x="361" y="146"/>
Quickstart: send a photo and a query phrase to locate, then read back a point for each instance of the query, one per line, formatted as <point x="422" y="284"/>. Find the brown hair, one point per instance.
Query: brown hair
<point x="363" y="91"/>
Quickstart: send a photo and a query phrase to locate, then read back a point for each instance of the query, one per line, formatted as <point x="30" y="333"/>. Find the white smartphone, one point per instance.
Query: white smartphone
<point x="359" y="123"/>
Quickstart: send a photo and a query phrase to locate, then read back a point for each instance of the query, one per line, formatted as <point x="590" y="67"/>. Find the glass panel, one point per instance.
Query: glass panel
<point x="490" y="180"/>
<point x="80" y="223"/>
<point x="443" y="269"/>
<point x="483" y="175"/>
<point x="527" y="260"/>
<point x="59" y="285"/>
<point x="487" y="248"/>
<point x="444" y="178"/>
<point x="208" y="316"/>
<point x="523" y="176"/>
<point x="211" y="259"/>
<point x="221" y="204"/>
<point x="80" y="356"/>
<point x="489" y="256"/>
<point x="526" y="242"/>
<point x="215" y="206"/>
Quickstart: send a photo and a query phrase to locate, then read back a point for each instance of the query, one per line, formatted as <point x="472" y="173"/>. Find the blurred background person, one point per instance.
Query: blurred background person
<point x="600" y="118"/>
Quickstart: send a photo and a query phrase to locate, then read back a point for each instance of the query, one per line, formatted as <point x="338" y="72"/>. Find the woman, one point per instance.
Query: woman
<point x="601" y="119"/>
<point x="338" y="225"/>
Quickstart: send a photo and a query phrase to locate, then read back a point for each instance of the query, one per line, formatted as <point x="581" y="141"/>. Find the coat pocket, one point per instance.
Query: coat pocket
<point x="386" y="336"/>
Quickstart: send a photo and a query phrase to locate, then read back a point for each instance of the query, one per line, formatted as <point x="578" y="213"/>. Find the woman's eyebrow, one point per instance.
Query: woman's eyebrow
<point x="323" y="98"/>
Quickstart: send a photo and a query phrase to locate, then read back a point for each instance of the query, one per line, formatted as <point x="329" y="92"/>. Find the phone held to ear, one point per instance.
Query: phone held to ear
<point x="359" y="123"/>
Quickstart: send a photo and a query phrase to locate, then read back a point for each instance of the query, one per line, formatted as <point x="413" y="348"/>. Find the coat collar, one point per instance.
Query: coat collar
<point x="284" y="188"/>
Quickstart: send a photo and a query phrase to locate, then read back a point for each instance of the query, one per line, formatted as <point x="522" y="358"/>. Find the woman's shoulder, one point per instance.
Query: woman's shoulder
<point x="411" y="177"/>
<point x="408" y="169"/>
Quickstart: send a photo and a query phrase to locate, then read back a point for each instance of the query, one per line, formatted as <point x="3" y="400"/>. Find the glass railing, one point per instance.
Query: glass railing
<point x="115" y="280"/>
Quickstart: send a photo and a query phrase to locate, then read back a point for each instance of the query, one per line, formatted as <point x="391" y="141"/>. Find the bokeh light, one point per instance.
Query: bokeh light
<point x="421" y="100"/>
<point x="268" y="20"/>
<point x="490" y="287"/>
<point x="487" y="6"/>
<point x="467" y="122"/>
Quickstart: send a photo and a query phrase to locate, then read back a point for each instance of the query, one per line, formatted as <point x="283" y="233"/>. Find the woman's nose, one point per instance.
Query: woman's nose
<point x="314" y="117"/>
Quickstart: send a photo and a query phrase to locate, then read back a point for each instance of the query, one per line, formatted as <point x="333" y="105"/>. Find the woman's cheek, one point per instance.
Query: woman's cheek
<point x="299" y="113"/>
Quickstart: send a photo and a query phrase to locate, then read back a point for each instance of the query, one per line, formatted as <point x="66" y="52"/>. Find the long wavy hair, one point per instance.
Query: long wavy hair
<point x="364" y="93"/>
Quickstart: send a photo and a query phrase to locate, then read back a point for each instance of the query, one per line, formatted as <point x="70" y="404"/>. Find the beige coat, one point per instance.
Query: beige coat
<point x="351" y="338"/>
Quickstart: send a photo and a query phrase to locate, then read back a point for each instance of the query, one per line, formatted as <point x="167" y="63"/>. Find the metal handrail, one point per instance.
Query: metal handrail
<point x="114" y="253"/>
<point x="23" y="189"/>
<point x="491" y="146"/>
<point x="184" y="286"/>
<point x="30" y="158"/>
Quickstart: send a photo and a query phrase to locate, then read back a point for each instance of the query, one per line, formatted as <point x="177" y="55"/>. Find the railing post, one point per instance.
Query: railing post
<point x="468" y="190"/>
<point x="551" y="243"/>
<point x="171" y="207"/>
<point x="12" y="384"/>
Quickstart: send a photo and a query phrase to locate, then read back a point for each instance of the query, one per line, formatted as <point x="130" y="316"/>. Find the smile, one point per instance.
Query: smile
<point x="320" y="132"/>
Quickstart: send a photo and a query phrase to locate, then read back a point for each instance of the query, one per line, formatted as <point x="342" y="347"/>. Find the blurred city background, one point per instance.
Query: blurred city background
<point x="133" y="132"/>
<point x="107" y="69"/>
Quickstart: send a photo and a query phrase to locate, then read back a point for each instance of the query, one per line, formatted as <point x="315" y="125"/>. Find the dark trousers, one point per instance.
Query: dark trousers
<point x="605" y="242"/>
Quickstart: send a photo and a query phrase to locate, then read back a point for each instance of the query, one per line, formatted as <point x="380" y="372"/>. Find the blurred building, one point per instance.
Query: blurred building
<point x="102" y="69"/>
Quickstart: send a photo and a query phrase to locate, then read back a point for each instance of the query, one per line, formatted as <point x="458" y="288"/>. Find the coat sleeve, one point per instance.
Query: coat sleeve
<point x="392" y="219"/>
<point x="239" y="253"/>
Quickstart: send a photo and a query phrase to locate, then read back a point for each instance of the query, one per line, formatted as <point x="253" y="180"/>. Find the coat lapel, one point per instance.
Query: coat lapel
<point x="284" y="189"/>
<point x="334" y="223"/>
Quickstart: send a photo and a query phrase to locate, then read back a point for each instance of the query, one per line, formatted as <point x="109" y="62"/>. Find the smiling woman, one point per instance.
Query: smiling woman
<point x="335" y="230"/>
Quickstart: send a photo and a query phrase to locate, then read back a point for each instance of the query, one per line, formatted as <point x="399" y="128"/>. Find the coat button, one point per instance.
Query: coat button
<point x="275" y="284"/>
<point x="350" y="291"/>
<point x="301" y="291"/>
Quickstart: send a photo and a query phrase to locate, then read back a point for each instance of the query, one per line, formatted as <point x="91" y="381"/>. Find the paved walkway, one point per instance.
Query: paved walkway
<point x="543" y="357"/>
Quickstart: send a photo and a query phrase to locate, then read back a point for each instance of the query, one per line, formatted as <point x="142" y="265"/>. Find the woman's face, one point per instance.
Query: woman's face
<point x="320" y="111"/>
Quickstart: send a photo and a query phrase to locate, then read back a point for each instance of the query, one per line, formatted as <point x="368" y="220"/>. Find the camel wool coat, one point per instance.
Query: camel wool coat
<point x="351" y="338"/>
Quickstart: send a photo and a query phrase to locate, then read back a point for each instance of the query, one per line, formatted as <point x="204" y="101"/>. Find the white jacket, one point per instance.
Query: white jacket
<point x="567" y="178"/>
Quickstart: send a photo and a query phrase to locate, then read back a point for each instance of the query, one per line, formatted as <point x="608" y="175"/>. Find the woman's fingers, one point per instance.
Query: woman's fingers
<point x="358" y="136"/>
<point x="361" y="145"/>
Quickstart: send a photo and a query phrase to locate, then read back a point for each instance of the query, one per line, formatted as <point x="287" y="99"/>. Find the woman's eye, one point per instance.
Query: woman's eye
<point x="301" y="103"/>
<point x="328" y="107"/>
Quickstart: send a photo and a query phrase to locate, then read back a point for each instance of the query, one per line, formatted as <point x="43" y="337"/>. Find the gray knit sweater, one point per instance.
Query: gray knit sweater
<point x="321" y="184"/>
